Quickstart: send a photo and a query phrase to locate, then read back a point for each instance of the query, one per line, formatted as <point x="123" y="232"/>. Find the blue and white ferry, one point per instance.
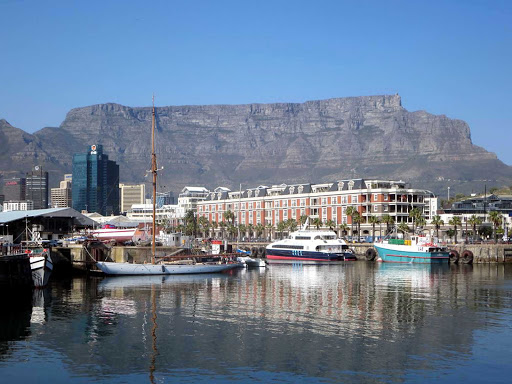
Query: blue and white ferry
<point x="309" y="246"/>
<point x="419" y="249"/>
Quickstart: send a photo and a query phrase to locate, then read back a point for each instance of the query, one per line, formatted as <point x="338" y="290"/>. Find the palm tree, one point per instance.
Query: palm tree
<point x="450" y="232"/>
<point x="389" y="220"/>
<point x="291" y="224"/>
<point x="351" y="210"/>
<point x="203" y="224"/>
<point x="214" y="226"/>
<point x="242" y="228"/>
<point x="343" y="228"/>
<point x="250" y="230"/>
<point x="474" y="220"/>
<point x="455" y="221"/>
<point x="496" y="218"/>
<point x="358" y="219"/>
<point x="420" y="223"/>
<point x="415" y="214"/>
<point x="303" y="219"/>
<point x="229" y="216"/>
<point x="437" y="222"/>
<point x="269" y="228"/>
<point x="404" y="228"/>
<point x="373" y="220"/>
<point x="232" y="230"/>
<point x="331" y="224"/>
<point x="191" y="222"/>
<point x="259" y="228"/>
<point x="281" y="226"/>
<point x="317" y="222"/>
<point x="222" y="226"/>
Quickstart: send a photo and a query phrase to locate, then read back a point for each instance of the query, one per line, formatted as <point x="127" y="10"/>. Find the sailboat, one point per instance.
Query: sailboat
<point x="162" y="267"/>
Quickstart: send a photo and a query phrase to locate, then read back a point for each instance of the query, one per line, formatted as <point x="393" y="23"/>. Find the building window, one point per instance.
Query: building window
<point x="285" y="203"/>
<point x="300" y="189"/>
<point x="375" y="208"/>
<point x="340" y="186"/>
<point x="344" y="199"/>
<point x="375" y="196"/>
<point x="324" y="200"/>
<point x="385" y="208"/>
<point x="385" y="197"/>
<point x="354" y="199"/>
<point x="285" y="214"/>
<point x="324" y="215"/>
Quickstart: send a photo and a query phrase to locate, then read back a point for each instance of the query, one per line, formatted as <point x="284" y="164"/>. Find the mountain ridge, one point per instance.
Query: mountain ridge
<point x="258" y="143"/>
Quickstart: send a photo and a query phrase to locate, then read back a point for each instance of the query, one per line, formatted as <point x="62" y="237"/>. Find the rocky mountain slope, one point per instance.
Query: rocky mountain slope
<point x="315" y="141"/>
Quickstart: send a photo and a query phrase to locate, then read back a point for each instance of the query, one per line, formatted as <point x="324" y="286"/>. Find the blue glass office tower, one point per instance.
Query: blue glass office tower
<point x="95" y="185"/>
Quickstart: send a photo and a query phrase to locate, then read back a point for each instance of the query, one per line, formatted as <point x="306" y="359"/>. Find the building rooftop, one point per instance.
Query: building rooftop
<point x="7" y="217"/>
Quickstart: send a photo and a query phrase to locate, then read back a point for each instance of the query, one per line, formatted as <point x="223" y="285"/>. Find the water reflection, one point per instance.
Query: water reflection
<point x="350" y="322"/>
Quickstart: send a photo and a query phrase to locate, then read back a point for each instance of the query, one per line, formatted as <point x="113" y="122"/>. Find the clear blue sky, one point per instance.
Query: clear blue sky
<point x="446" y="57"/>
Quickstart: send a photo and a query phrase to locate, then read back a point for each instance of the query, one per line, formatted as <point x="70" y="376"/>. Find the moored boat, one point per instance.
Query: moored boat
<point x="309" y="246"/>
<point x="419" y="249"/>
<point x="41" y="265"/>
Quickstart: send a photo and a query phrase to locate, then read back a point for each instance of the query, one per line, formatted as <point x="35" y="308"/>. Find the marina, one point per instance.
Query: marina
<point x="352" y="322"/>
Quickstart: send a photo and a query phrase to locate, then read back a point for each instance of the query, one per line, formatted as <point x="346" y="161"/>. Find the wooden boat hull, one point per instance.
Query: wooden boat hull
<point x="123" y="269"/>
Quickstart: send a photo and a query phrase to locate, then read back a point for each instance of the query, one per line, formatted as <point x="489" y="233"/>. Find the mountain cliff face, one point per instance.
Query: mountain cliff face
<point x="326" y="140"/>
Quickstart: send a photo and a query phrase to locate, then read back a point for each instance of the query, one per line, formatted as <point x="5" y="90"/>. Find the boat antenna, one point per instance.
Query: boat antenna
<point x="154" y="172"/>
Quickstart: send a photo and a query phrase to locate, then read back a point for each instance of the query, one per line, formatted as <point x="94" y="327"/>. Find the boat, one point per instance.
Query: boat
<point x="310" y="247"/>
<point x="250" y="262"/>
<point x="187" y="266"/>
<point x="110" y="232"/>
<point x="41" y="265"/>
<point x="419" y="249"/>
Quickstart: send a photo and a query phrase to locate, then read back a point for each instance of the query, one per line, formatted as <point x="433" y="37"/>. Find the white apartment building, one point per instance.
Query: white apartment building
<point x="142" y="213"/>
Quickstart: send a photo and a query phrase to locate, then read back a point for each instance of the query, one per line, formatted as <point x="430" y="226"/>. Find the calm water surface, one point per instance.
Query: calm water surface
<point x="357" y="322"/>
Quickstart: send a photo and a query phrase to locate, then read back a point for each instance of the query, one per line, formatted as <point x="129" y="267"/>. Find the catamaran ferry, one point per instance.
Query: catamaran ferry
<point x="309" y="246"/>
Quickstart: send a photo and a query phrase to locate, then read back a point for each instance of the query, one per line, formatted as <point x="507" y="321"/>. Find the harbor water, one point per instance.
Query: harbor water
<point x="353" y="322"/>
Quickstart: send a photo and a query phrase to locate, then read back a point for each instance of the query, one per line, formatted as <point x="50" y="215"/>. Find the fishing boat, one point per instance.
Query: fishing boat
<point x="309" y="246"/>
<point x="419" y="249"/>
<point x="187" y="266"/>
<point x="41" y="265"/>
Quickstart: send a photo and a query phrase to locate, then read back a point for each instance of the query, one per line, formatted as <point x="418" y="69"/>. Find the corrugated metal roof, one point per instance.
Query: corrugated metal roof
<point x="7" y="217"/>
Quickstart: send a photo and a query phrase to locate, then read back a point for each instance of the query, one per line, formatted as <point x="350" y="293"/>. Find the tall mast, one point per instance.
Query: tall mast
<point x="153" y="171"/>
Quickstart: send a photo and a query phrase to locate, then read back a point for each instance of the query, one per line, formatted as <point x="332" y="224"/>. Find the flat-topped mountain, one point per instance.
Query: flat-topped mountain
<point x="253" y="144"/>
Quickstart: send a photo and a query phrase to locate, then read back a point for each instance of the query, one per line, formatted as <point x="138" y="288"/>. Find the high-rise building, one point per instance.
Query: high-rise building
<point x="131" y="194"/>
<point x="95" y="185"/>
<point x="165" y="198"/>
<point x="61" y="197"/>
<point x="37" y="187"/>
<point x="14" y="188"/>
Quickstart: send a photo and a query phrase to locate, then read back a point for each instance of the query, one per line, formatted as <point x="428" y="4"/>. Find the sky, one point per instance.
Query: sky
<point x="445" y="57"/>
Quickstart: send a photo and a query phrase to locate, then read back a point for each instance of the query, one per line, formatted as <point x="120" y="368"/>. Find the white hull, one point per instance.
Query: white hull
<point x="110" y="268"/>
<point x="252" y="263"/>
<point x="41" y="267"/>
<point x="119" y="235"/>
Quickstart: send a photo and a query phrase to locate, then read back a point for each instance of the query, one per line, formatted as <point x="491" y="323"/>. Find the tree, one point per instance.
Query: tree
<point x="281" y="226"/>
<point x="373" y="220"/>
<point x="222" y="226"/>
<point x="450" y="232"/>
<point x="259" y="228"/>
<point x="351" y="211"/>
<point x="437" y="222"/>
<point x="331" y="224"/>
<point x="250" y="230"/>
<point x="303" y="219"/>
<point x="190" y="222"/>
<point x="343" y="228"/>
<point x="420" y="223"/>
<point x="204" y="224"/>
<point x="415" y="214"/>
<point x="214" y="226"/>
<point x="229" y="216"/>
<point x="496" y="219"/>
<point x="242" y="229"/>
<point x="388" y="220"/>
<point x="317" y="222"/>
<point x="358" y="219"/>
<point x="291" y="224"/>
<point x="232" y="230"/>
<point x="474" y="220"/>
<point x="404" y="228"/>
<point x="455" y="221"/>
<point x="268" y="228"/>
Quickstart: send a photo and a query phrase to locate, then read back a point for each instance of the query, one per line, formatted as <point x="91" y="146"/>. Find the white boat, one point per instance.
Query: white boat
<point x="250" y="262"/>
<point x="309" y="246"/>
<point x="113" y="269"/>
<point x="118" y="234"/>
<point x="42" y="267"/>
<point x="163" y="267"/>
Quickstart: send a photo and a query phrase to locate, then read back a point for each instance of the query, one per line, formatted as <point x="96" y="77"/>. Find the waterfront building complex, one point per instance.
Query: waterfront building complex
<point x="95" y="185"/>
<point x="18" y="205"/>
<point x="61" y="197"/>
<point x="37" y="187"/>
<point x="326" y="201"/>
<point x="131" y="194"/>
